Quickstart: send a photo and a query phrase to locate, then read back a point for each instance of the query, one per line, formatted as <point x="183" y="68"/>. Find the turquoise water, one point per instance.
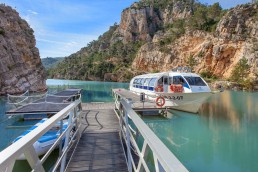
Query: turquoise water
<point x="92" y="92"/>
<point x="223" y="137"/>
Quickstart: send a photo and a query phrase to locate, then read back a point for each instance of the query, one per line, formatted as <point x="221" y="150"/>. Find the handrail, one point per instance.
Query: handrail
<point x="25" y="144"/>
<point x="164" y="159"/>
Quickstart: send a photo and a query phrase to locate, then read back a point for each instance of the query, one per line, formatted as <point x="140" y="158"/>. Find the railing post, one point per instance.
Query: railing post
<point x="33" y="159"/>
<point x="60" y="144"/>
<point x="67" y="137"/>
<point x="129" y="161"/>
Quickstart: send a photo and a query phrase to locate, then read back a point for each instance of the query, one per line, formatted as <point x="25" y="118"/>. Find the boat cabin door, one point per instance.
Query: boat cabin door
<point x="165" y="83"/>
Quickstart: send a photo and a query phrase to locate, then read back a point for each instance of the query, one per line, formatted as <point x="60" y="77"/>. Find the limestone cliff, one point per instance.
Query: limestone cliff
<point x="20" y="64"/>
<point x="158" y="35"/>
<point x="236" y="36"/>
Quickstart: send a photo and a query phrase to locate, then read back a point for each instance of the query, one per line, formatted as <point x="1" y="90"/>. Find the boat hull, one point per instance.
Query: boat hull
<point x="188" y="102"/>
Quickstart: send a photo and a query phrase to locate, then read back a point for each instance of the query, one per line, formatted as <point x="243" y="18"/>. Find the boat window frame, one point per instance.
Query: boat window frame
<point x="154" y="81"/>
<point x="138" y="83"/>
<point x="203" y="84"/>
<point x="145" y="84"/>
<point x="142" y="82"/>
<point x="135" y="82"/>
<point x="184" y="82"/>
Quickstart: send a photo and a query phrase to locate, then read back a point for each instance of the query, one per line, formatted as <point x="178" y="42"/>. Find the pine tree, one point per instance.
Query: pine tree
<point x="240" y="71"/>
<point x="191" y="62"/>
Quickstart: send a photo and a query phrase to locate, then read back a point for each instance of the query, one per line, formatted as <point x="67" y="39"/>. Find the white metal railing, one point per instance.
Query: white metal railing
<point x="163" y="158"/>
<point x="25" y="145"/>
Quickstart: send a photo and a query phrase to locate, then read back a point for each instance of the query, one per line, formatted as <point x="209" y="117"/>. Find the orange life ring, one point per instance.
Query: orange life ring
<point x="176" y="88"/>
<point x="160" y="101"/>
<point x="172" y="88"/>
<point x="159" y="89"/>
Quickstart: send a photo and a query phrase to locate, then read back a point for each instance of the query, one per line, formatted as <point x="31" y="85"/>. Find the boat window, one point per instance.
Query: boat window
<point x="139" y="81"/>
<point x="135" y="81"/>
<point x="142" y="81"/>
<point x="160" y="81"/>
<point x="165" y="80"/>
<point x="147" y="81"/>
<point x="152" y="82"/>
<point x="196" y="81"/>
<point x="178" y="80"/>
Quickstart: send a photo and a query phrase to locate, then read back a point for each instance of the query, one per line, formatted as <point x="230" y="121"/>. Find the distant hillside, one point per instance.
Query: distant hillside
<point x="165" y="34"/>
<point x="51" y="62"/>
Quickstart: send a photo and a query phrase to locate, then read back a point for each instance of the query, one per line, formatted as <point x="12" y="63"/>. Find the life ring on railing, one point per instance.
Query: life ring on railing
<point x="159" y="89"/>
<point x="160" y="101"/>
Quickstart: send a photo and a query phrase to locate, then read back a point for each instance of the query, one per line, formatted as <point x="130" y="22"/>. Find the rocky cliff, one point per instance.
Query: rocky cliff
<point x="161" y="35"/>
<point x="20" y="64"/>
<point x="218" y="52"/>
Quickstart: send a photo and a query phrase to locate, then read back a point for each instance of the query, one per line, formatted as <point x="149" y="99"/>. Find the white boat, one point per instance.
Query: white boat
<point x="43" y="144"/>
<point x="180" y="89"/>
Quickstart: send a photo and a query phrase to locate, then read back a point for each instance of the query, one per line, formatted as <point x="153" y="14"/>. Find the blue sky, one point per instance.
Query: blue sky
<point x="63" y="27"/>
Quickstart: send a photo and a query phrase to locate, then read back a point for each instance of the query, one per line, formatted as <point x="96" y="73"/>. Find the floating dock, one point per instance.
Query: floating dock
<point x="50" y="104"/>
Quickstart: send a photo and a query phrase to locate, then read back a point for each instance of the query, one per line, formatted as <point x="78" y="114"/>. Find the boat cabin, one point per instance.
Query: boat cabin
<point x="169" y="82"/>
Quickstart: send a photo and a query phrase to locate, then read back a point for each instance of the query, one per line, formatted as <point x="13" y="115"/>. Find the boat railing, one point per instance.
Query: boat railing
<point x="67" y="138"/>
<point x="142" y="145"/>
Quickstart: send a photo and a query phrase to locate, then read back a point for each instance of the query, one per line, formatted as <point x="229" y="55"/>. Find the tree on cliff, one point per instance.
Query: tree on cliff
<point x="240" y="71"/>
<point x="191" y="62"/>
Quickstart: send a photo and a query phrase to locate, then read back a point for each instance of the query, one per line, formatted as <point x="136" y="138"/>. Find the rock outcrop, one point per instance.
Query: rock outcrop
<point x="20" y="64"/>
<point x="236" y="37"/>
<point x="160" y="35"/>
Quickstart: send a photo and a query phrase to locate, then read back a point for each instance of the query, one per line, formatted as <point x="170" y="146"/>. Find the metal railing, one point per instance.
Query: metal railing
<point x="25" y="145"/>
<point x="153" y="148"/>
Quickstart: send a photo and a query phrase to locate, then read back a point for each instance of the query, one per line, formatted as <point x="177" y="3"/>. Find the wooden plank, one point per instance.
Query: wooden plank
<point x="99" y="148"/>
<point x="98" y="106"/>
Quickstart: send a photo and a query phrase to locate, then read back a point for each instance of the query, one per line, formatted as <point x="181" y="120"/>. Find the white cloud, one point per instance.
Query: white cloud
<point x="62" y="44"/>
<point x="32" y="12"/>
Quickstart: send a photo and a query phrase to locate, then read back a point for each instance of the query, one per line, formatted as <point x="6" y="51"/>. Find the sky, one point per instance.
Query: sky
<point x="63" y="27"/>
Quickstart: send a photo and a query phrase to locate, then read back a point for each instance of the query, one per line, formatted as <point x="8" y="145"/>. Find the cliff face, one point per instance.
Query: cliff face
<point x="20" y="64"/>
<point x="160" y="35"/>
<point x="236" y="37"/>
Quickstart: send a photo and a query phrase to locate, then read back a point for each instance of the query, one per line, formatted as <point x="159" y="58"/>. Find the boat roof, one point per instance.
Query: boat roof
<point x="170" y="73"/>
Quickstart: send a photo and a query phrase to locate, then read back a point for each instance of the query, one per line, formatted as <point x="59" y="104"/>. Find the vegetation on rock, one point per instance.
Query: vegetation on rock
<point x="51" y="62"/>
<point x="155" y="34"/>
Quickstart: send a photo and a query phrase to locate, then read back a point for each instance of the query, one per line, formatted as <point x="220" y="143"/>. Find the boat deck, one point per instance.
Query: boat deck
<point x="50" y="104"/>
<point x="99" y="148"/>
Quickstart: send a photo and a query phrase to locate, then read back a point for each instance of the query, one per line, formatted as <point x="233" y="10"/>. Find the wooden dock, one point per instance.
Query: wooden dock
<point x="99" y="148"/>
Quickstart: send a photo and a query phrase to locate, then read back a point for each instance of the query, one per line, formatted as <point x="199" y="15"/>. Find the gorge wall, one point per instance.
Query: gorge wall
<point x="162" y="35"/>
<point x="236" y="36"/>
<point x="20" y="64"/>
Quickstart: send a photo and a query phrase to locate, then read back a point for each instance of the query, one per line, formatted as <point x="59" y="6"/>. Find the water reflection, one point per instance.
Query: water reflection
<point x="234" y="107"/>
<point x="223" y="137"/>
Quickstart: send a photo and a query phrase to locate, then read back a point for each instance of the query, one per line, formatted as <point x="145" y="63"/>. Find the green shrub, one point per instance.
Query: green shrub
<point x="191" y="62"/>
<point x="240" y="71"/>
<point x="2" y="32"/>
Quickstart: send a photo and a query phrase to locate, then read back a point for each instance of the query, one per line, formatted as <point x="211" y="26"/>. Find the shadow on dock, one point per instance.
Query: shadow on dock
<point x="99" y="148"/>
